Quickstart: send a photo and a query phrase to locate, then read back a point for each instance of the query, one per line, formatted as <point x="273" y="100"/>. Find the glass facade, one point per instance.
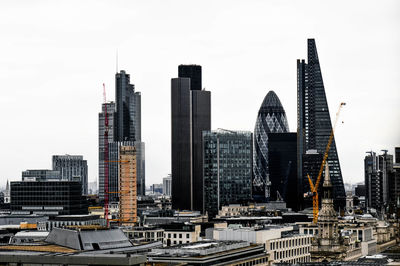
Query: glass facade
<point x="47" y="197"/>
<point x="313" y="121"/>
<point x="70" y="167"/>
<point x="227" y="168"/>
<point x="271" y="119"/>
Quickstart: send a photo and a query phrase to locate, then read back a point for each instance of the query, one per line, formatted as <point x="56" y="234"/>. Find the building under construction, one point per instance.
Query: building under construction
<point x="127" y="185"/>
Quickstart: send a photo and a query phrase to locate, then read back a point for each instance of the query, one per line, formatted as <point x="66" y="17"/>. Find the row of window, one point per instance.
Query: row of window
<point x="175" y="235"/>
<point x="290" y="243"/>
<point x="290" y="253"/>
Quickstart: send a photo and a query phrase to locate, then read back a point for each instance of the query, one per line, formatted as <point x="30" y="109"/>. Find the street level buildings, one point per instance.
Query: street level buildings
<point x="72" y="167"/>
<point x="190" y="116"/>
<point x="227" y="168"/>
<point x="271" y="118"/>
<point x="314" y="123"/>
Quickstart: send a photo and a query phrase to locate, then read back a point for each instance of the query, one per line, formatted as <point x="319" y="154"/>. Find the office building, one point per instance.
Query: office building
<point x="227" y="168"/>
<point x="282" y="163"/>
<point x="271" y="118"/>
<point x="128" y="122"/>
<point x="43" y="174"/>
<point x="72" y="167"/>
<point x="381" y="184"/>
<point x="47" y="197"/>
<point x="108" y="108"/>
<point x="167" y="185"/>
<point x="314" y="121"/>
<point x="190" y="116"/>
<point x="312" y="161"/>
<point x="124" y="119"/>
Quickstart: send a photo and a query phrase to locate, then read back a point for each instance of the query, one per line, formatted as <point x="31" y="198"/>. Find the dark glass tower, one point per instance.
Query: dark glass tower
<point x="190" y="116"/>
<point x="271" y="119"/>
<point x="282" y="165"/>
<point x="314" y="123"/>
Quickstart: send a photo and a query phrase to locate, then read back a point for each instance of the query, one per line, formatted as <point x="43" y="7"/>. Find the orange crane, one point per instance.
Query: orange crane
<point x="314" y="188"/>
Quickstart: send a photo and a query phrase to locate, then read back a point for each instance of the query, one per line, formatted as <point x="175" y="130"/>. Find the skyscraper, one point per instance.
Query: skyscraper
<point x="124" y="119"/>
<point x="227" y="168"/>
<point x="128" y="122"/>
<point x="271" y="119"/>
<point x="190" y="115"/>
<point x="314" y="123"/>
<point x="111" y="136"/>
<point x="71" y="167"/>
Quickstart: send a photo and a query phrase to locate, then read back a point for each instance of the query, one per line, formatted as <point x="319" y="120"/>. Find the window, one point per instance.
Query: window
<point x="187" y="235"/>
<point x="180" y="235"/>
<point x="174" y="235"/>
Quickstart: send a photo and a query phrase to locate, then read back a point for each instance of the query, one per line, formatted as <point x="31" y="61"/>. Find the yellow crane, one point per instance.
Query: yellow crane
<point x="314" y="188"/>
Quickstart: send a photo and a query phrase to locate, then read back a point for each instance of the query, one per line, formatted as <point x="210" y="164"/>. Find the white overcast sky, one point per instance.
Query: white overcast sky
<point x="55" y="55"/>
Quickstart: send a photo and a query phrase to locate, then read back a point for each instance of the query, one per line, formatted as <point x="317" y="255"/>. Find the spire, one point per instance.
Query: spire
<point x="327" y="179"/>
<point x="7" y="186"/>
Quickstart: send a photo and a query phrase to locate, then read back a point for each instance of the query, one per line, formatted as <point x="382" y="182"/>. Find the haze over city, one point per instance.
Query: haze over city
<point x="56" y="55"/>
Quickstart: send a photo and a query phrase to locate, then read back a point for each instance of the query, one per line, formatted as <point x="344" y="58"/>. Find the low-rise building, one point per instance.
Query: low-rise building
<point x="144" y="233"/>
<point x="210" y="252"/>
<point x="180" y="233"/>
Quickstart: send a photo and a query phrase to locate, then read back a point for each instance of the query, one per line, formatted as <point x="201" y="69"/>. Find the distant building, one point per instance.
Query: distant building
<point x="72" y="167"/>
<point x="167" y="185"/>
<point x="312" y="161"/>
<point x="314" y="121"/>
<point x="271" y="118"/>
<point x="227" y="168"/>
<point x="381" y="183"/>
<point x="180" y="233"/>
<point x="55" y="197"/>
<point x="190" y="116"/>
<point x="7" y="197"/>
<point x="43" y="174"/>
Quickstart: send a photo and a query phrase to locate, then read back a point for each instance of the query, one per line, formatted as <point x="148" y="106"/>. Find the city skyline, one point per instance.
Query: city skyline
<point x="60" y="64"/>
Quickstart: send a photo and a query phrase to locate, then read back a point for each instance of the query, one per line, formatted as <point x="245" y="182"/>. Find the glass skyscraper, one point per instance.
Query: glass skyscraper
<point x="271" y="119"/>
<point x="314" y="123"/>
<point x="227" y="168"/>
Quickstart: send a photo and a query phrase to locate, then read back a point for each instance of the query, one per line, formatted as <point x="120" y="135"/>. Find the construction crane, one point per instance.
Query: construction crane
<point x="105" y="156"/>
<point x="314" y="187"/>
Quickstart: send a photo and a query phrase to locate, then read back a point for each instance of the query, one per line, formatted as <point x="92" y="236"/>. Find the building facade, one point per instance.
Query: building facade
<point x="271" y="118"/>
<point x="61" y="197"/>
<point x="313" y="121"/>
<point x="282" y="163"/>
<point x="190" y="116"/>
<point x="227" y="168"/>
<point x="167" y="185"/>
<point x="108" y="108"/>
<point x="43" y="174"/>
<point x="382" y="183"/>
<point x="72" y="167"/>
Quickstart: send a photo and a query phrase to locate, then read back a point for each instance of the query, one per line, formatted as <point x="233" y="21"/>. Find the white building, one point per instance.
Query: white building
<point x="167" y="185"/>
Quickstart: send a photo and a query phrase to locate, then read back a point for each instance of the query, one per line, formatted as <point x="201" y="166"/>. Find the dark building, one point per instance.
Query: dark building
<point x="47" y="197"/>
<point x="227" y="168"/>
<point x="313" y="121"/>
<point x="397" y="154"/>
<point x="312" y="161"/>
<point x="380" y="181"/>
<point x="271" y="118"/>
<point x="71" y="167"/>
<point x="128" y="122"/>
<point x="360" y="190"/>
<point x="194" y="73"/>
<point x="190" y="116"/>
<point x="282" y="154"/>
